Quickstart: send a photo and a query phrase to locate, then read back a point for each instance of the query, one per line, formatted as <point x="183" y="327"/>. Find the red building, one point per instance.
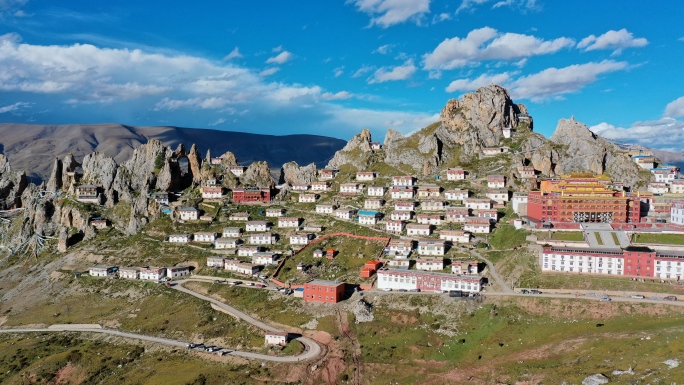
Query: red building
<point x="241" y="195"/>
<point x="320" y="290"/>
<point x="370" y="268"/>
<point x="581" y="200"/>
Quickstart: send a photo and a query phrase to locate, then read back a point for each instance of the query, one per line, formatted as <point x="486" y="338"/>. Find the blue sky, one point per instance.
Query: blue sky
<point x="335" y="67"/>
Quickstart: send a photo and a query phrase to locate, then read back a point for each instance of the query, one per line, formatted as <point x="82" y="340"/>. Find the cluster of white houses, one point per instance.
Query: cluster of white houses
<point x="395" y="279"/>
<point x="147" y="273"/>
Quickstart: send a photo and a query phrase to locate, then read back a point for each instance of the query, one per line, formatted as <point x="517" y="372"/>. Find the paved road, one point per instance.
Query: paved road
<point x="312" y="349"/>
<point x="582" y="297"/>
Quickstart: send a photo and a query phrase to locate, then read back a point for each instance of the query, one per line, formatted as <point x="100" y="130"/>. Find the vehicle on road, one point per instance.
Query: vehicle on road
<point x="637" y="296"/>
<point x="250" y="284"/>
<point x="605" y="299"/>
<point x="455" y="293"/>
<point x="533" y="291"/>
<point x="386" y="289"/>
<point x="402" y="290"/>
<point x="415" y="290"/>
<point x="263" y="276"/>
<point x="217" y="281"/>
<point x="260" y="286"/>
<point x="670" y="298"/>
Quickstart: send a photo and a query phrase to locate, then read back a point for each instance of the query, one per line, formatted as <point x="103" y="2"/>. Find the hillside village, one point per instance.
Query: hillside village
<point x="429" y="221"/>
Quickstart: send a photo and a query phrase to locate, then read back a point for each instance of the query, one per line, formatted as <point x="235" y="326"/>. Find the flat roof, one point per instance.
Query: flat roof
<point x="323" y="282"/>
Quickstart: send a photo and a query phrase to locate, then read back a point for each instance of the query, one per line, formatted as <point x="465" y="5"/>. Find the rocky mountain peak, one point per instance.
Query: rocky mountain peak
<point x="570" y="129"/>
<point x="356" y="152"/>
<point x="293" y="173"/>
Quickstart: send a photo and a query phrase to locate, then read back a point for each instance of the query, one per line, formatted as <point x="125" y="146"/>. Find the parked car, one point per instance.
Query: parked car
<point x="251" y="284"/>
<point x="670" y="298"/>
<point x="260" y="286"/>
<point x="605" y="299"/>
<point x="456" y="293"/>
<point x="386" y="289"/>
<point x="415" y="290"/>
<point x="402" y="290"/>
<point x="533" y="291"/>
<point x="637" y="296"/>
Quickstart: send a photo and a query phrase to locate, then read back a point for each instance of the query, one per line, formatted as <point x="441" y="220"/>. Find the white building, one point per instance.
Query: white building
<point x="129" y="273"/>
<point x="492" y="215"/>
<point x="242" y="267"/>
<point x="188" y="213"/>
<point x="430" y="263"/>
<point x="429" y="191"/>
<point x="242" y="216"/>
<point x="402" y="192"/>
<point x="365" y="175"/>
<point x="212" y="192"/>
<point x="351" y="189"/>
<point x="300" y="239"/>
<point x="276" y="338"/>
<point x="477" y="225"/>
<point x="657" y="188"/>
<point x="177" y="271"/>
<point x="204" y="236"/>
<point x="394" y="226"/>
<point x="216" y="262"/>
<point x="320" y="186"/>
<point x="677" y="186"/>
<point x="526" y="172"/>
<point x="455" y="174"/>
<point x="496" y="181"/>
<point x="677" y="213"/>
<point x="399" y="247"/>
<point x="300" y="187"/>
<point x="429" y="219"/>
<point x="589" y="261"/>
<point x="519" y="203"/>
<point x="405" y="180"/>
<point x="288" y="222"/>
<point x="345" y="214"/>
<point x="373" y="203"/>
<point x="664" y="175"/>
<point x="457" y="214"/>
<point x="232" y="232"/>
<point x="456" y="195"/>
<point x="237" y="170"/>
<point x="376" y="191"/>
<point x="248" y="251"/>
<point x="430" y="247"/>
<point x="179" y="238"/>
<point x="427" y="281"/>
<point x="432" y="205"/>
<point x="102" y="271"/>
<point x="498" y="195"/>
<point x="262" y="239"/>
<point x="478" y="204"/>
<point x="226" y="243"/>
<point x="264" y="258"/>
<point x="275" y="212"/>
<point x="257" y="226"/>
<point x="401" y="215"/>
<point x="368" y="217"/>
<point x="307" y="198"/>
<point x="152" y="273"/>
<point x="325" y="209"/>
<point x="404" y="206"/>
<point x="413" y="229"/>
<point x="455" y="236"/>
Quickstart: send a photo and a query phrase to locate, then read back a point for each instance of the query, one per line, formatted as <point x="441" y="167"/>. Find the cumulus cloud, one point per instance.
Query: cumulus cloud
<point x="402" y="121"/>
<point x="489" y="44"/>
<point x="675" y="109"/>
<point x="386" y="74"/>
<point x="14" y="107"/>
<point x="339" y="71"/>
<point x="269" y="71"/>
<point x="440" y="18"/>
<point x="363" y="70"/>
<point x="559" y="81"/>
<point x="549" y="83"/>
<point x="234" y="54"/>
<point x="613" y="40"/>
<point x="469" y="5"/>
<point x="481" y="81"/>
<point x="203" y="103"/>
<point x="664" y="134"/>
<point x="10" y="37"/>
<point x="280" y="58"/>
<point x="385" y="13"/>
<point x="342" y="95"/>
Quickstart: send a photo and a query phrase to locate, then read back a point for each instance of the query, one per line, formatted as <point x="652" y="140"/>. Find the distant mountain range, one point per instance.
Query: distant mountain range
<point x="673" y="158"/>
<point x="32" y="148"/>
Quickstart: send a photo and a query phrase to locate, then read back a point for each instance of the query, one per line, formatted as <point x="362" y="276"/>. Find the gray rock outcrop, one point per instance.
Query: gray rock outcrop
<point x="258" y="174"/>
<point x="12" y="185"/>
<point x="293" y="173"/>
<point x="356" y="153"/>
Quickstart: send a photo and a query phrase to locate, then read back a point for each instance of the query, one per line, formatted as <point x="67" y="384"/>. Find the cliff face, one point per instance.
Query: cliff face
<point x="293" y="173"/>
<point x="12" y="184"/>
<point x="355" y="153"/>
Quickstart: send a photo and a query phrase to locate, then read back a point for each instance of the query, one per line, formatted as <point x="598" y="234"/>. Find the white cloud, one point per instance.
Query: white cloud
<point x="213" y="103"/>
<point x="664" y="134"/>
<point x="386" y="74"/>
<point x="675" y="109"/>
<point x="441" y="17"/>
<point x="12" y="7"/>
<point x="384" y="49"/>
<point x="363" y="70"/>
<point x="481" y="81"/>
<point x="269" y="71"/>
<point x="277" y="49"/>
<point x="558" y="81"/>
<point x="488" y="44"/>
<point x="402" y="121"/>
<point x="339" y="71"/>
<point x="10" y="37"/>
<point x="234" y="54"/>
<point x="291" y="93"/>
<point x="614" y="40"/>
<point x="681" y="38"/>
<point x="14" y="107"/>
<point x="385" y="13"/>
<point x="217" y="122"/>
<point x="467" y="5"/>
<point x="281" y="58"/>
<point x="342" y="95"/>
